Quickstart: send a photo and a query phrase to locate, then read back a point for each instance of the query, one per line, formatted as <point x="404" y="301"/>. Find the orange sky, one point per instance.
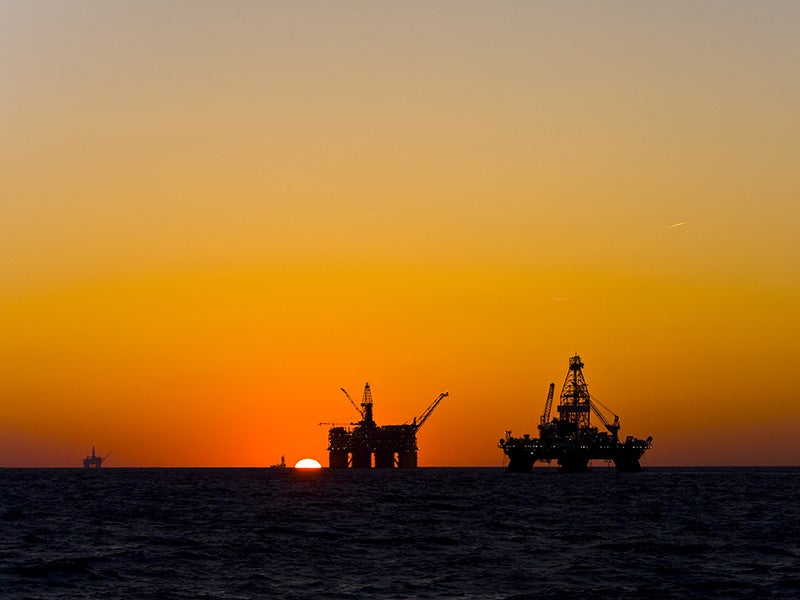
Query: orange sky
<point x="214" y="216"/>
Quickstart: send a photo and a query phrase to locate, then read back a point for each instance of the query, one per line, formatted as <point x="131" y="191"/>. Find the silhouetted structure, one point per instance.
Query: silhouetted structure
<point x="280" y="465"/>
<point x="94" y="461"/>
<point x="354" y="445"/>
<point x="570" y="439"/>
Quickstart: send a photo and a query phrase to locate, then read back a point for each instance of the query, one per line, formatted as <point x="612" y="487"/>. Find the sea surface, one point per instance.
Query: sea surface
<point x="425" y="533"/>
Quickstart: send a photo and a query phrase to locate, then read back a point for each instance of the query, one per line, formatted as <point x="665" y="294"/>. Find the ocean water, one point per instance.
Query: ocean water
<point x="425" y="533"/>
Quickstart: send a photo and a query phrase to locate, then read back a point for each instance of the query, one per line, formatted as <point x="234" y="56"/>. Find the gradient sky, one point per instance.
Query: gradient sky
<point x="215" y="214"/>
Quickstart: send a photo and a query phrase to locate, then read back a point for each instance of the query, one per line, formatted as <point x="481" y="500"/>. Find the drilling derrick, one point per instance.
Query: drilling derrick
<point x="362" y="436"/>
<point x="573" y="406"/>
<point x="366" y="406"/>
<point x="390" y="445"/>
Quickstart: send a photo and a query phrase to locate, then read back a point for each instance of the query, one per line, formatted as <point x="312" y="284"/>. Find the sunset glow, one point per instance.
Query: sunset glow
<point x="215" y="215"/>
<point x="307" y="463"/>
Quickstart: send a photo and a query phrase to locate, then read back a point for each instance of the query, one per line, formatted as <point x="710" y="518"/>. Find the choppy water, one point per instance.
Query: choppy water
<point x="428" y="533"/>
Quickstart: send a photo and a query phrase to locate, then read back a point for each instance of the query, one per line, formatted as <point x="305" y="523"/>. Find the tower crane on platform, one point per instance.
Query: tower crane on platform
<point x="548" y="405"/>
<point x="358" y="410"/>
<point x="613" y="428"/>
<point x="417" y="423"/>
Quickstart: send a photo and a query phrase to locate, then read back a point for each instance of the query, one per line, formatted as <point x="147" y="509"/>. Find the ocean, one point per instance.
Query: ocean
<point x="424" y="533"/>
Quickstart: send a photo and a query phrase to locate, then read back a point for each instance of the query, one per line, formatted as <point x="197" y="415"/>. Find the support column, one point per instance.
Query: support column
<point x="407" y="459"/>
<point x="384" y="459"/>
<point x="362" y="459"/>
<point x="337" y="459"/>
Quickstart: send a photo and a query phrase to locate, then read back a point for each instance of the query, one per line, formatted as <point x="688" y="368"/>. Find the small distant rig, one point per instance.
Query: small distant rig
<point x="354" y="445"/>
<point x="94" y="461"/>
<point x="570" y="439"/>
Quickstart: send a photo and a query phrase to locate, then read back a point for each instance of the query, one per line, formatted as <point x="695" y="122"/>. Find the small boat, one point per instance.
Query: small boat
<point x="280" y="465"/>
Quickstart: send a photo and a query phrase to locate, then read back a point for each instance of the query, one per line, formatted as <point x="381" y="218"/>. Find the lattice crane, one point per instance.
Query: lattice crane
<point x="428" y="411"/>
<point x="358" y="410"/>
<point x="548" y="405"/>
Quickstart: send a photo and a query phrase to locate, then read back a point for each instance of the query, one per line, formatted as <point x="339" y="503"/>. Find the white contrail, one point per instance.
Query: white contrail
<point x="674" y="225"/>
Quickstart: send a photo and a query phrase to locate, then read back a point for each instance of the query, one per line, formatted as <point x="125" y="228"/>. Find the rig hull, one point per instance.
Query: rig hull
<point x="523" y="453"/>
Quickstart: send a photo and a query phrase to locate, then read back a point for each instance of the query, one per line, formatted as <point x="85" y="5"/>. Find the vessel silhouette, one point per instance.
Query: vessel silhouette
<point x="280" y="465"/>
<point x="570" y="439"/>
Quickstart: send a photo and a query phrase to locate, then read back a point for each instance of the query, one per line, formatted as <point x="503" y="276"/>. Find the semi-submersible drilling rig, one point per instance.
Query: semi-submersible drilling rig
<point x="570" y="439"/>
<point x="392" y="445"/>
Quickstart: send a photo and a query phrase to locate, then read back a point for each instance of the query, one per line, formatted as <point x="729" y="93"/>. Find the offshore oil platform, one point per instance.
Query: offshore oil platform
<point x="570" y="438"/>
<point x="94" y="461"/>
<point x="355" y="444"/>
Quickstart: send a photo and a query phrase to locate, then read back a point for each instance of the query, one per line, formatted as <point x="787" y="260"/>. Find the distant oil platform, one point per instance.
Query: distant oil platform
<point x="94" y="461"/>
<point x="354" y="445"/>
<point x="570" y="438"/>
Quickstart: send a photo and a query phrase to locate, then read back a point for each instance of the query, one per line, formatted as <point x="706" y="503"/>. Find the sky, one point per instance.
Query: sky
<point x="213" y="215"/>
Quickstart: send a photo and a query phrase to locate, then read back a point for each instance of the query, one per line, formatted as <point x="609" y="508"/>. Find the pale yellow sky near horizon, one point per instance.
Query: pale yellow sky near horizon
<point x="213" y="215"/>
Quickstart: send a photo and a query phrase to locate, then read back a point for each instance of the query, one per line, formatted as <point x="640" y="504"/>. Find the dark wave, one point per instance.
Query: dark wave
<point x="428" y="533"/>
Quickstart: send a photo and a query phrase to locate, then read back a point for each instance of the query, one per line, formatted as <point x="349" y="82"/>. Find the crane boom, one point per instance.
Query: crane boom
<point x="612" y="427"/>
<point x="428" y="411"/>
<point x="358" y="410"/>
<point x="548" y="405"/>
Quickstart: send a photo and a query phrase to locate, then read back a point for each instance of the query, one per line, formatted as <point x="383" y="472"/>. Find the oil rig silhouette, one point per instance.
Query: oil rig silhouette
<point x="94" y="461"/>
<point x="570" y="438"/>
<point x="355" y="444"/>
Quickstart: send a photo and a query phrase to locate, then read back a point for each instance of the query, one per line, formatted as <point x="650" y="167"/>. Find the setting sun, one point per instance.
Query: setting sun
<point x="307" y="463"/>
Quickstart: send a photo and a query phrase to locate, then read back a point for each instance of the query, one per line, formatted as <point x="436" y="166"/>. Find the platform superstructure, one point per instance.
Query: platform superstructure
<point x="365" y="444"/>
<point x="94" y="461"/>
<point x="570" y="439"/>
